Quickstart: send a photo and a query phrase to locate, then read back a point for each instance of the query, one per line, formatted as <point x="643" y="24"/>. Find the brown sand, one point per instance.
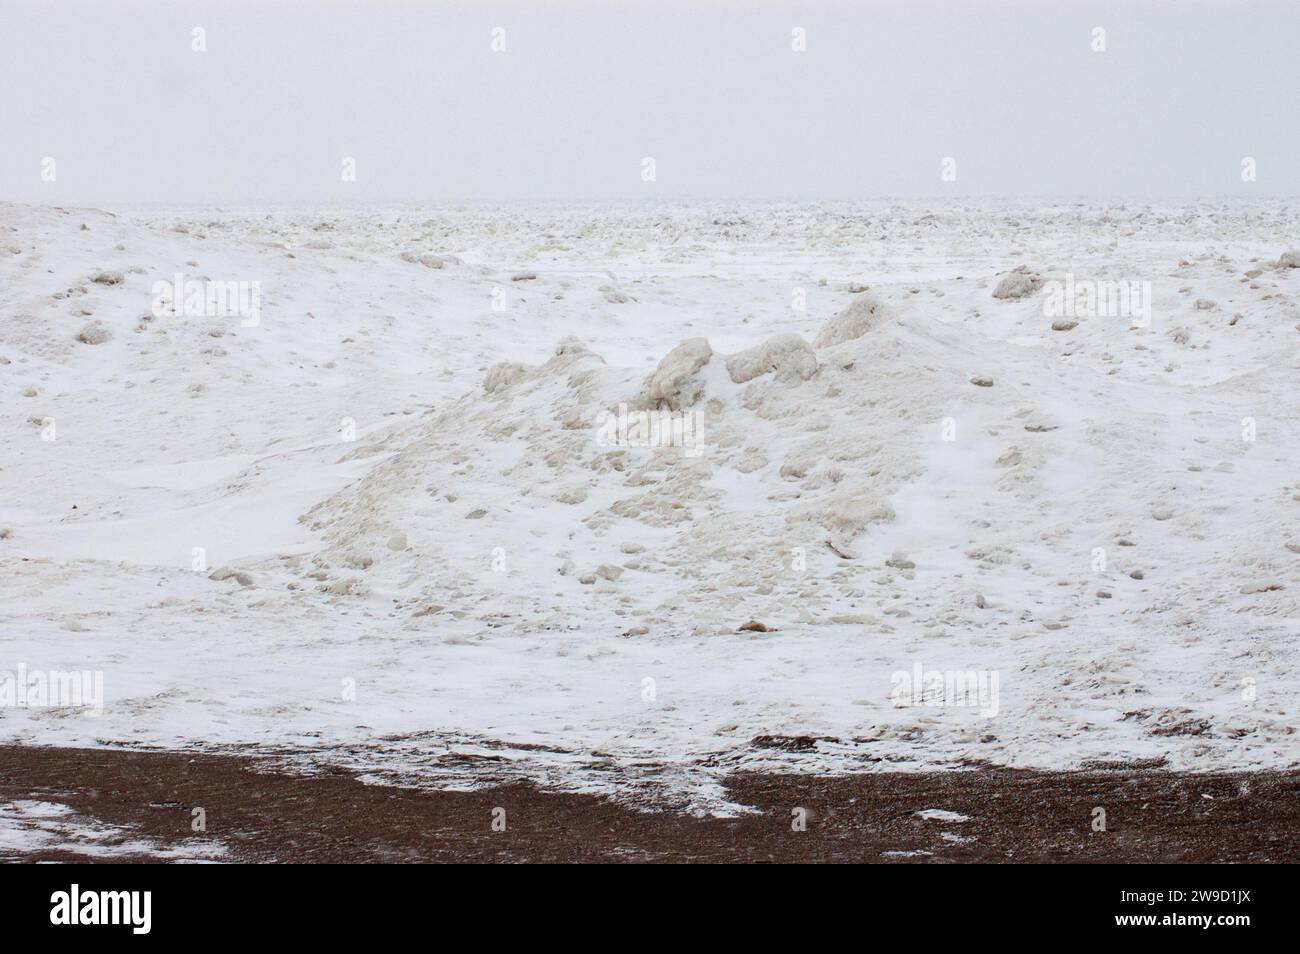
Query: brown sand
<point x="267" y="815"/>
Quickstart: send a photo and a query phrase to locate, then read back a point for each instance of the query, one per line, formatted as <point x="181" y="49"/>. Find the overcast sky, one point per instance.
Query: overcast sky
<point x="583" y="92"/>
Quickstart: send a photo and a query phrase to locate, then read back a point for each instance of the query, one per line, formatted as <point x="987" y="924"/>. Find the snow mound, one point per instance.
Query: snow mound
<point x="862" y="314"/>
<point x="567" y="477"/>
<point x="95" y="332"/>
<point x="504" y="374"/>
<point x="1019" y="283"/>
<point x="674" y="383"/>
<point x="788" y="355"/>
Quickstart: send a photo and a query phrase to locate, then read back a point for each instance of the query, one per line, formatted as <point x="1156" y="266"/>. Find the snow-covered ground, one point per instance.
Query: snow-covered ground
<point x="418" y="553"/>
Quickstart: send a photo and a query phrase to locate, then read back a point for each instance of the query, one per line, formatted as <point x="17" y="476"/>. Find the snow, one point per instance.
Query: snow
<point x="28" y="826"/>
<point x="941" y="814"/>
<point x="179" y="433"/>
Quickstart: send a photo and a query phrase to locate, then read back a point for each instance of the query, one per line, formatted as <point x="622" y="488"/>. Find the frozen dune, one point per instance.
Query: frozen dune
<point x="927" y="471"/>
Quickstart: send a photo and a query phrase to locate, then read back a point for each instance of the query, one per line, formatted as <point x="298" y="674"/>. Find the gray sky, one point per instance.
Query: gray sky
<point x="584" y="90"/>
